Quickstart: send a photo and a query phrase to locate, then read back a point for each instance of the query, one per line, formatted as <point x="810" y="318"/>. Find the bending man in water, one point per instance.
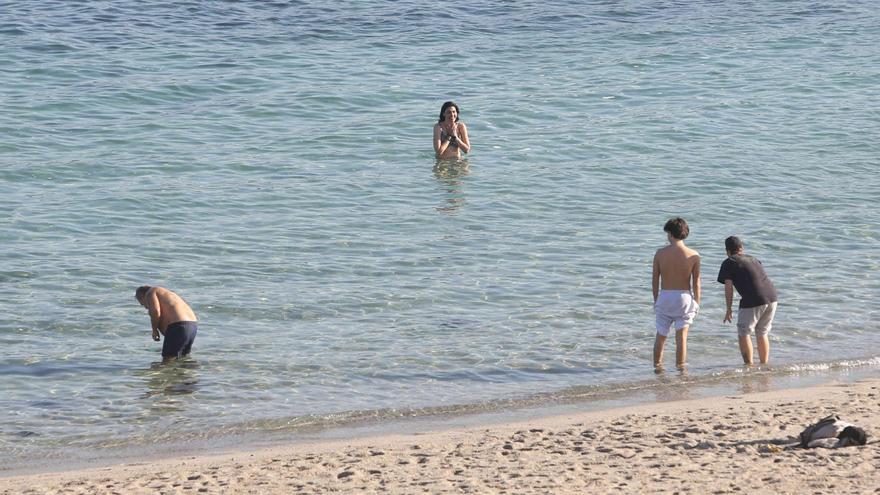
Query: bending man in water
<point x="171" y="316"/>
<point x="757" y="303"/>
<point x="676" y="267"/>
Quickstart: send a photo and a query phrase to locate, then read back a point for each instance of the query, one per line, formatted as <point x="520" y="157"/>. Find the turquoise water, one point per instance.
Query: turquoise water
<point x="272" y="163"/>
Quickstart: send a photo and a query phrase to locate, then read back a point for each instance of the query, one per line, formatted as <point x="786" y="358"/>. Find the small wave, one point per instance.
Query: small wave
<point x="44" y="369"/>
<point x="49" y="48"/>
<point x="843" y="364"/>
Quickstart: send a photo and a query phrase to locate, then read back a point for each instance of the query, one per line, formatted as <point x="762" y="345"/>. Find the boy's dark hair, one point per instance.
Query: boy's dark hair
<point x="141" y="292"/>
<point x="733" y="244"/>
<point x="678" y="228"/>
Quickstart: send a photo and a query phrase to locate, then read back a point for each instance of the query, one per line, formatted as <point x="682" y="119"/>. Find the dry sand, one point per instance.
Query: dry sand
<point x="732" y="444"/>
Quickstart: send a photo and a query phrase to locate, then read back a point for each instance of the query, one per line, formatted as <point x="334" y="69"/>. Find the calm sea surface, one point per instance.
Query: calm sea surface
<point x="272" y="163"/>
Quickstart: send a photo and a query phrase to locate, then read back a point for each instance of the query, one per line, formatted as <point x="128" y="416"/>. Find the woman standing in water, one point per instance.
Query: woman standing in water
<point x="450" y="135"/>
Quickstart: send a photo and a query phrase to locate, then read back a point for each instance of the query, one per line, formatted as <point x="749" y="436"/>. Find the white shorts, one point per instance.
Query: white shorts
<point x="674" y="307"/>
<point x="758" y="319"/>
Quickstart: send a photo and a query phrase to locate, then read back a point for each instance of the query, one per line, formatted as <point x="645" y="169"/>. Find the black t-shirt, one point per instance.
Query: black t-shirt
<point x="750" y="280"/>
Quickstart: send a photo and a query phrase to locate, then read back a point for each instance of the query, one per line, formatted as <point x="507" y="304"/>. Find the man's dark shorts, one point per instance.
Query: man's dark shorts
<point x="179" y="337"/>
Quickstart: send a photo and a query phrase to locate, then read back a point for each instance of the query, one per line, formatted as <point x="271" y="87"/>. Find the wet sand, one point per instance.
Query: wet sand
<point x="729" y="444"/>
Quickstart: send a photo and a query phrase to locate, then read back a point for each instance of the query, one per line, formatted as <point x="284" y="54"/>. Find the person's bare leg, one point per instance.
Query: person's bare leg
<point x="745" y="347"/>
<point x="763" y="348"/>
<point x="659" y="342"/>
<point x="681" y="346"/>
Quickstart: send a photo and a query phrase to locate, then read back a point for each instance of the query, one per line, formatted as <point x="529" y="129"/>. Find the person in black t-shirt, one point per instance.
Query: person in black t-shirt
<point x="758" y="298"/>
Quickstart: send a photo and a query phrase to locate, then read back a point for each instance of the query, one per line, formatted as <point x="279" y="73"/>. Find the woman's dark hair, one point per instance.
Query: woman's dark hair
<point x="678" y="228"/>
<point x="447" y="105"/>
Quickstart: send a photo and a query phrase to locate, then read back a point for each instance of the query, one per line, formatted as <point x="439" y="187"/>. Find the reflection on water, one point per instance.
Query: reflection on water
<point x="168" y="382"/>
<point x="660" y="371"/>
<point x="674" y="385"/>
<point x="756" y="379"/>
<point x="448" y="173"/>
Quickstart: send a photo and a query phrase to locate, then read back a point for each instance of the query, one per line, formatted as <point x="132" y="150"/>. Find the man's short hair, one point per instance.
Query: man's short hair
<point x="678" y="228"/>
<point x="141" y="292"/>
<point x="733" y="244"/>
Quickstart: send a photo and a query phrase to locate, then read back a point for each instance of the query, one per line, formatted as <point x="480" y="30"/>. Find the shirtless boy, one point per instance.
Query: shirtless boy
<point x="170" y="316"/>
<point x="676" y="286"/>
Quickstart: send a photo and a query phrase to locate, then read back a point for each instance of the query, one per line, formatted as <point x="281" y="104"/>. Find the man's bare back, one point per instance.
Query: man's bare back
<point x="170" y="316"/>
<point x="167" y="308"/>
<point x="678" y="268"/>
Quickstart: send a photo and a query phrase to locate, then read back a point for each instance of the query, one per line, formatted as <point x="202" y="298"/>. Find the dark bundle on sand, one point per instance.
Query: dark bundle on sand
<point x="831" y="433"/>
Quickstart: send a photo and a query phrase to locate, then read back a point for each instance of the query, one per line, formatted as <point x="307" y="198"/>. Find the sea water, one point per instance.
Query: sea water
<point x="272" y="163"/>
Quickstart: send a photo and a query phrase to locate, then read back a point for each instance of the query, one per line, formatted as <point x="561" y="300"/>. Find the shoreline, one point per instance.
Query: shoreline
<point x="731" y="441"/>
<point x="661" y="387"/>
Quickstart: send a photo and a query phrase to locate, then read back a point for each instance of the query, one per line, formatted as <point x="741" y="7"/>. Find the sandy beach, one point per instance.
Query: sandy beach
<point x="730" y="444"/>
